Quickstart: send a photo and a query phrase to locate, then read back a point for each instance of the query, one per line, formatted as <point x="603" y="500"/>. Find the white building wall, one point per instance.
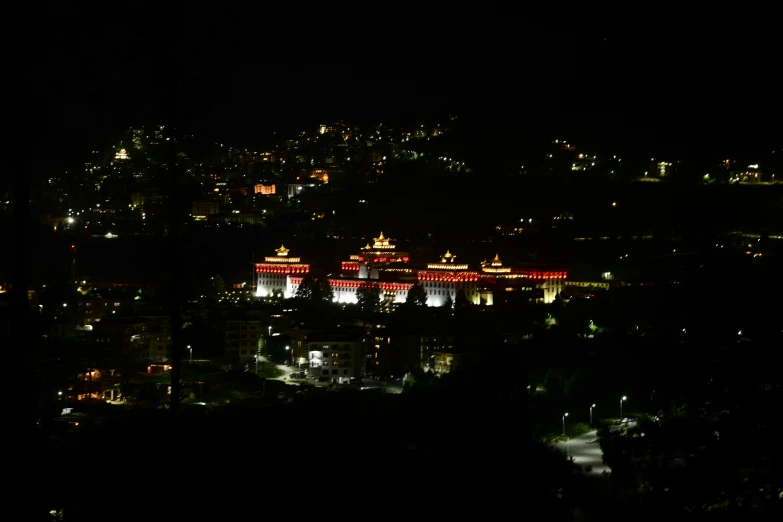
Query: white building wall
<point x="344" y="295"/>
<point x="398" y="296"/>
<point x="322" y="356"/>
<point x="552" y="287"/>
<point x="266" y="283"/>
<point x="439" y="291"/>
<point x="347" y="295"/>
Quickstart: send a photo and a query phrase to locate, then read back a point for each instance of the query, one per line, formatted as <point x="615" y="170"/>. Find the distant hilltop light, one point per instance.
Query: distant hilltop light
<point x="754" y="166"/>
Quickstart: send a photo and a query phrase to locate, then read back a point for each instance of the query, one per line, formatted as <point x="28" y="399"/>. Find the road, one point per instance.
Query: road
<point x="586" y="452"/>
<point x="285" y="370"/>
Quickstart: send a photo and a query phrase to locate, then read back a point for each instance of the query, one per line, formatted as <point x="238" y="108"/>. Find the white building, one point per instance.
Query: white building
<point x="335" y="356"/>
<point x="381" y="256"/>
<point x="550" y="281"/>
<point x="345" y="289"/>
<point x="273" y="275"/>
<point x="443" y="280"/>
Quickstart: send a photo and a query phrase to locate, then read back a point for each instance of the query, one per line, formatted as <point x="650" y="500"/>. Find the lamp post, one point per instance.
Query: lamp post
<point x="191" y="353"/>
<point x="591" y="415"/>
<point x="269" y="329"/>
<point x="564" y="416"/>
<point x="621" y="406"/>
<point x="288" y="353"/>
<point x="65" y="399"/>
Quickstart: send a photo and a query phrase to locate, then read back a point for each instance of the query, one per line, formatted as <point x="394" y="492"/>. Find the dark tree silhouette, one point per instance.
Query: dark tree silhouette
<point x="368" y="297"/>
<point x="218" y="286"/>
<point x="313" y="289"/>
<point x="307" y="288"/>
<point x="417" y="296"/>
<point x="461" y="301"/>
<point x="323" y="290"/>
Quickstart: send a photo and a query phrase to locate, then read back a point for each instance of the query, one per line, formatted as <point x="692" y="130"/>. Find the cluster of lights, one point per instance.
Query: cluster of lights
<point x="282" y="269"/>
<point x="350" y="267"/>
<point x="282" y="260"/>
<point x="429" y="276"/>
<point x="536" y="274"/>
<point x="446" y="266"/>
<point x="390" y="260"/>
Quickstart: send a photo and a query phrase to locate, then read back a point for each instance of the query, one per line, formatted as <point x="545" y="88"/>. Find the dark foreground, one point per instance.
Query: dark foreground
<point x="362" y="457"/>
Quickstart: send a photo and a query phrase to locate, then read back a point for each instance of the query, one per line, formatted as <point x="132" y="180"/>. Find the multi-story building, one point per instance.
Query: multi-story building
<point x="545" y="285"/>
<point x="382" y="265"/>
<point x="273" y="275"/>
<point x="437" y="353"/>
<point x="379" y="264"/>
<point x="159" y="336"/>
<point x="266" y="190"/>
<point x="243" y="337"/>
<point x="381" y="256"/>
<point x="95" y="307"/>
<point x="137" y="339"/>
<point x="443" y="280"/>
<point x="336" y="356"/>
<point x="202" y="209"/>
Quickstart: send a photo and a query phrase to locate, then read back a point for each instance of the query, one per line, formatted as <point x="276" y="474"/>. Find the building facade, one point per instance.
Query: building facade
<point x="273" y="276"/>
<point x="336" y="357"/>
<point x="243" y="338"/>
<point x="380" y="257"/>
<point x="443" y="280"/>
<point x="382" y="264"/>
<point x="545" y="285"/>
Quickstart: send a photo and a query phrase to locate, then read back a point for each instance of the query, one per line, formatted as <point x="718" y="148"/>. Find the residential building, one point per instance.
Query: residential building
<point x="437" y="353"/>
<point x="243" y="337"/>
<point x="202" y="209"/>
<point x="337" y="356"/>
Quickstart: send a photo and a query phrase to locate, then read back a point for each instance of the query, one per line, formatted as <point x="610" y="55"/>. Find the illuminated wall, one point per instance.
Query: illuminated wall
<point x="442" y="281"/>
<point x="345" y="290"/>
<point x="273" y="275"/>
<point x="336" y="360"/>
<point x="265" y="189"/>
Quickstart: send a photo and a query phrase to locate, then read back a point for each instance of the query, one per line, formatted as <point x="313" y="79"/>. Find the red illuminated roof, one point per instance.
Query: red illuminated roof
<point x="274" y="268"/>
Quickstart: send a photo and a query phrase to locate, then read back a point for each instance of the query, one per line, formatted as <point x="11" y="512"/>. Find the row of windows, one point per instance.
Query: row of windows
<point x="314" y="347"/>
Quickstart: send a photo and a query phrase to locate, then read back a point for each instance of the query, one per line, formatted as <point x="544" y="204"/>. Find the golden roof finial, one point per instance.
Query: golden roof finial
<point x="282" y="251"/>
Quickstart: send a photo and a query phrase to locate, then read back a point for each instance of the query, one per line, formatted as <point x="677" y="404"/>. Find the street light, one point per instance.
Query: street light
<point x="270" y="331"/>
<point x="287" y="355"/>
<point x="191" y="352"/>
<point x="591" y="415"/>
<point x="65" y="399"/>
<point x="564" y="416"/>
<point x="621" y="406"/>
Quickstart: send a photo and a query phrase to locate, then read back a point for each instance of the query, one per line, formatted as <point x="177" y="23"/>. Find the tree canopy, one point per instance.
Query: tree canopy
<point x="417" y="296"/>
<point x="368" y="297"/>
<point x="315" y="289"/>
<point x="461" y="300"/>
<point x="306" y="288"/>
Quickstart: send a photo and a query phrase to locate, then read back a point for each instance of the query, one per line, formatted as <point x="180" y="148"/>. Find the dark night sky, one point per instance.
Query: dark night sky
<point x="240" y="76"/>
